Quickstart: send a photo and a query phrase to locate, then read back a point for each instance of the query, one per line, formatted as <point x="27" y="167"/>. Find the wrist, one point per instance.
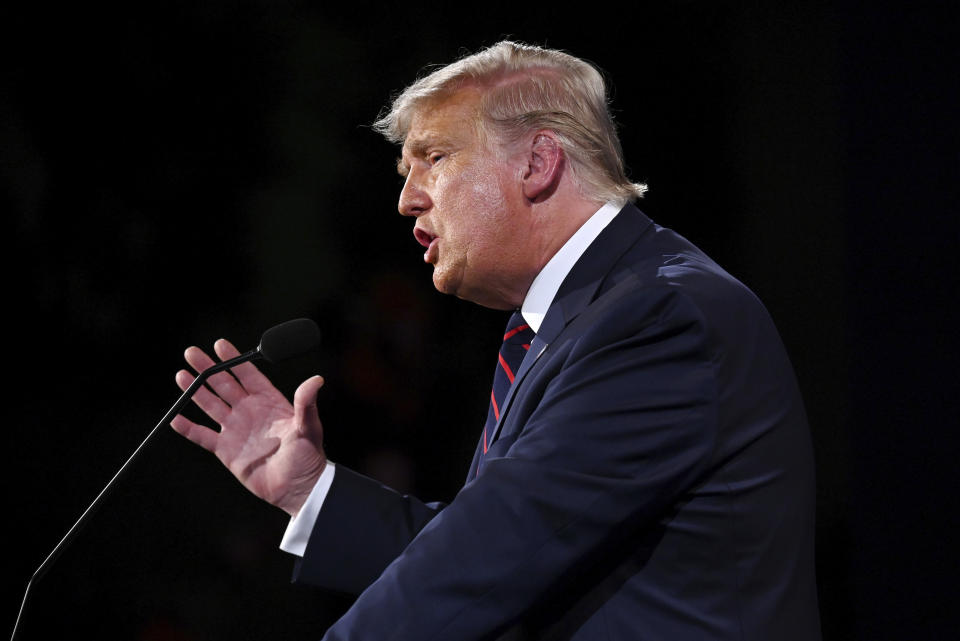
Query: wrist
<point x="299" y="492"/>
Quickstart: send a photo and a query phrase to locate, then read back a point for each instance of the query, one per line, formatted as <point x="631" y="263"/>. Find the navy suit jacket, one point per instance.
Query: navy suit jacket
<point x="651" y="477"/>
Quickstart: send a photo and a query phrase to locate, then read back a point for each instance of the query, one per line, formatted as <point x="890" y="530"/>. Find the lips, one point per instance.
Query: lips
<point x="423" y="236"/>
<point x="429" y="241"/>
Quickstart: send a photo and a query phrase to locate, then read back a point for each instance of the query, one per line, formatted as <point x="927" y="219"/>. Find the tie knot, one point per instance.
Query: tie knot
<point x="518" y="330"/>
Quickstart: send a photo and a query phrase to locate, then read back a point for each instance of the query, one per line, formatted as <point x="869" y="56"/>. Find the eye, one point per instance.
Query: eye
<point x="435" y="157"/>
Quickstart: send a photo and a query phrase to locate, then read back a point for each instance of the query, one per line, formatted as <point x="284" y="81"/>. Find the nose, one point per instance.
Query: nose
<point x="414" y="201"/>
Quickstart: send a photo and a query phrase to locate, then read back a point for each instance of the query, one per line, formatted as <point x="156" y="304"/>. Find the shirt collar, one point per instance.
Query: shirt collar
<point x="545" y="285"/>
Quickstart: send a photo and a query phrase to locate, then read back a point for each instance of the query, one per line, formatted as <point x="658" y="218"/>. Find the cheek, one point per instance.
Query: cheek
<point x="481" y="204"/>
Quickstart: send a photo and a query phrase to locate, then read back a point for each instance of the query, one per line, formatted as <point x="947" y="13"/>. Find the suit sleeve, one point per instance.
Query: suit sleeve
<point x="623" y="428"/>
<point x="361" y="528"/>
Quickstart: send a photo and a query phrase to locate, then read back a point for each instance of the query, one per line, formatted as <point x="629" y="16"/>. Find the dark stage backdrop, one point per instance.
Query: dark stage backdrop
<point x="174" y="172"/>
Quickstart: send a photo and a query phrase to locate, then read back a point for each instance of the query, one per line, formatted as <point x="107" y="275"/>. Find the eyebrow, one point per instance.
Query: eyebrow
<point x="415" y="148"/>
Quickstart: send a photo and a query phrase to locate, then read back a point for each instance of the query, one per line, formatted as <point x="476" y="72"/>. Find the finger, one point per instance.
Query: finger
<point x="251" y="378"/>
<point x="223" y="383"/>
<point x="305" y="413"/>
<point x="196" y="433"/>
<point x="206" y="400"/>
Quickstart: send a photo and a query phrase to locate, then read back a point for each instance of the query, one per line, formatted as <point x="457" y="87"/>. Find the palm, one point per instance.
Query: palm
<point x="273" y="448"/>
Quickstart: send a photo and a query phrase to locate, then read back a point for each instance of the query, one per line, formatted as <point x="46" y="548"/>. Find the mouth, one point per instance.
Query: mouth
<point x="429" y="241"/>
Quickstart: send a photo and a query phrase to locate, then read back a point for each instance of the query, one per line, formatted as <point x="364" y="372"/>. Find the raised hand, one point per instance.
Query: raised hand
<point x="273" y="448"/>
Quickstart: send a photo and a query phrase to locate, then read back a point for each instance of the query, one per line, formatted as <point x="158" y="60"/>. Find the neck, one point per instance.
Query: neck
<point x="556" y="220"/>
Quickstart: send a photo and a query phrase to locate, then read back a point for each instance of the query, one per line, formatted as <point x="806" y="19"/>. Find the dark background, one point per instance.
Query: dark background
<point x="180" y="171"/>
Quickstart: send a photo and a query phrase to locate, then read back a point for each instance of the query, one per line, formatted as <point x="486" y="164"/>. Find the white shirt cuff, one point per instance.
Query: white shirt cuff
<point x="298" y="530"/>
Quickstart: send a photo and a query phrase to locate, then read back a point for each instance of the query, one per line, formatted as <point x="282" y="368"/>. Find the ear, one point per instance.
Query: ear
<point x="544" y="167"/>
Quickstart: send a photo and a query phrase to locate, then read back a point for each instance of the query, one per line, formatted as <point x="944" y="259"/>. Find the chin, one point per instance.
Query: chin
<point x="442" y="283"/>
<point x="446" y="285"/>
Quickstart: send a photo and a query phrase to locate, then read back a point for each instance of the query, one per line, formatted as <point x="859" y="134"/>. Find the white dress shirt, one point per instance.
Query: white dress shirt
<point x="535" y="305"/>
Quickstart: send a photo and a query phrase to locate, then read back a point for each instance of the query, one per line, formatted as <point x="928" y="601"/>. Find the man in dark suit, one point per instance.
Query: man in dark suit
<point x="646" y="469"/>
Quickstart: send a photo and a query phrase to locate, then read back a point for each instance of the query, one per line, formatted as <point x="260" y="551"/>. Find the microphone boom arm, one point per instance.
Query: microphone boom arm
<point x="278" y="343"/>
<point x="112" y="483"/>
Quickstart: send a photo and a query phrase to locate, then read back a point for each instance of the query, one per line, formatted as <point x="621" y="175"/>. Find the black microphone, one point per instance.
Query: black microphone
<point x="289" y="339"/>
<point x="278" y="343"/>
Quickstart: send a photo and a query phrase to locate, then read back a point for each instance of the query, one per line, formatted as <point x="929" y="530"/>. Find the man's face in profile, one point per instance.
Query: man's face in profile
<point x="465" y="193"/>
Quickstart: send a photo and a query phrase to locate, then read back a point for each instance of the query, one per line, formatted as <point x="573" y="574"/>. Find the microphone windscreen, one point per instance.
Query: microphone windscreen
<point x="289" y="339"/>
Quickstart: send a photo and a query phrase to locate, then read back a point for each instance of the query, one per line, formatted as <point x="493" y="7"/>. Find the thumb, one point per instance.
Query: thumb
<point x="305" y="412"/>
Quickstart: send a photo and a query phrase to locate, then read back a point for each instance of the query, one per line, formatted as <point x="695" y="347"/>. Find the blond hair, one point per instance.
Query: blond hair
<point x="527" y="88"/>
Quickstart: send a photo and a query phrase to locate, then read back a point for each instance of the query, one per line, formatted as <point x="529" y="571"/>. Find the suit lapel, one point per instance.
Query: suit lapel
<point x="578" y="290"/>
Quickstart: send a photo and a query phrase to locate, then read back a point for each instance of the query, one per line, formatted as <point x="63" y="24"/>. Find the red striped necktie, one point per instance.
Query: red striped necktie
<point x="516" y="342"/>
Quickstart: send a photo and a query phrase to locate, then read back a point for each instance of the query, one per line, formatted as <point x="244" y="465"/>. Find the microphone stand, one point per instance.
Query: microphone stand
<point x="108" y="488"/>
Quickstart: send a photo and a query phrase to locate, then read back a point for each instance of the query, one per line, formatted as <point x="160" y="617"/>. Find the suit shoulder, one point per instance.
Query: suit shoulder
<point x="665" y="285"/>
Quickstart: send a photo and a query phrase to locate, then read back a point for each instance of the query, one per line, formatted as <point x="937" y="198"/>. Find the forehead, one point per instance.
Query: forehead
<point x="448" y="120"/>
